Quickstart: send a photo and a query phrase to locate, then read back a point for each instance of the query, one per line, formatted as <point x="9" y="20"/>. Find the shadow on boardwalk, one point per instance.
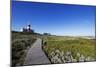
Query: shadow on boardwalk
<point x="35" y="55"/>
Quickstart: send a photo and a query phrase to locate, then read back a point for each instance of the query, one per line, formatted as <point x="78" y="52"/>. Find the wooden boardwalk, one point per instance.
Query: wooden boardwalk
<point x="35" y="55"/>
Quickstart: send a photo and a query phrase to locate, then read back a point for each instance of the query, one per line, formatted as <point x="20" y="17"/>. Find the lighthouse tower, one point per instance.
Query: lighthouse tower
<point x="29" y="28"/>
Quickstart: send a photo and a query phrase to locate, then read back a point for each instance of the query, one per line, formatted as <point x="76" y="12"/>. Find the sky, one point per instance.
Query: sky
<point x="57" y="19"/>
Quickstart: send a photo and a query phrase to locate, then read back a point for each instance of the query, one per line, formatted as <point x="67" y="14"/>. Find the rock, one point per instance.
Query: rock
<point x="60" y="57"/>
<point x="74" y="60"/>
<point x="72" y="57"/>
<point x="89" y="59"/>
<point x="68" y="53"/>
<point x="57" y="51"/>
<point x="52" y="54"/>
<point x="78" y="54"/>
<point x="68" y="59"/>
<point x="54" y="59"/>
<point x="81" y="58"/>
<point x="59" y="60"/>
<point x="63" y="59"/>
<point x="62" y="54"/>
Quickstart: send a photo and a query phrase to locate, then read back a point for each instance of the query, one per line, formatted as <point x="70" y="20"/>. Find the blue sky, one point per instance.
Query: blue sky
<point x="57" y="19"/>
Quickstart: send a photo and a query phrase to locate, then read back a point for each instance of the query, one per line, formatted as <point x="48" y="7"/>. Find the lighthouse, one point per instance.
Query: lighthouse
<point x="27" y="29"/>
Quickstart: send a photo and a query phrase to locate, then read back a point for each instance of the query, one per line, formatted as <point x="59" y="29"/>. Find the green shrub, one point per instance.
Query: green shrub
<point x="20" y="43"/>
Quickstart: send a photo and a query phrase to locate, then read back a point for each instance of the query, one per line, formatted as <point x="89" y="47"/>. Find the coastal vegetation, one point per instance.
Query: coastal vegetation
<point x="65" y="49"/>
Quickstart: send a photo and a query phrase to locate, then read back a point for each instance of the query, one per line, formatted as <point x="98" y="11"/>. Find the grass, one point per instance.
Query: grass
<point x="20" y="44"/>
<point x="86" y="47"/>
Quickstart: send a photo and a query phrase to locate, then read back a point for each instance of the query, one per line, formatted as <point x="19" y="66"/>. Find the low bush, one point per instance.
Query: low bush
<point x="20" y="43"/>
